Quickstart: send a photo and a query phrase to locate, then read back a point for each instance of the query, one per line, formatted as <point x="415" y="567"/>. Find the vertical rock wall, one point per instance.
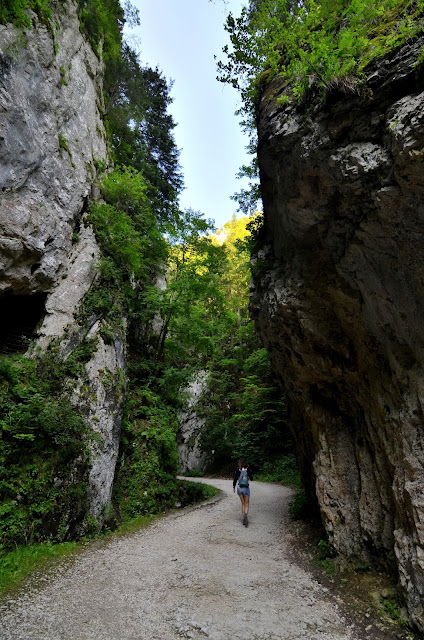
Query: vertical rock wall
<point x="51" y="133"/>
<point x="190" y="427"/>
<point x="338" y="297"/>
<point x="51" y="138"/>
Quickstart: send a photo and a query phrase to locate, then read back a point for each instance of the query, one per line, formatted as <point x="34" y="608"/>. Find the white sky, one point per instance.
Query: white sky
<point x="181" y="37"/>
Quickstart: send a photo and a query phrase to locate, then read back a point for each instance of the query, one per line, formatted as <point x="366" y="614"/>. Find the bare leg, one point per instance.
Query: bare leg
<point x="246" y="505"/>
<point x="244" y="508"/>
<point x="242" y="504"/>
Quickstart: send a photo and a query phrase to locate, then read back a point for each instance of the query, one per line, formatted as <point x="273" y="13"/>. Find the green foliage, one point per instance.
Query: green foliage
<point x="362" y="567"/>
<point x="146" y="483"/>
<point x="192" y="306"/>
<point x="328" y="565"/>
<point x="119" y="239"/>
<point x="192" y="492"/>
<point x="282" y="470"/>
<point x="324" y="548"/>
<point x="63" y="143"/>
<point x="205" y="325"/>
<point x="99" y="165"/>
<point x="245" y="414"/>
<point x="195" y="473"/>
<point x="141" y="129"/>
<point x="326" y="44"/>
<point x="132" y="247"/>
<point x="234" y="237"/>
<point x="392" y="609"/>
<point x="298" y="506"/>
<point x="125" y="189"/>
<point x="258" y="419"/>
<point x="42" y="437"/>
<point x="102" y="21"/>
<point x="325" y="557"/>
<point x="16" y="11"/>
<point x="130" y="218"/>
<point x="63" y="77"/>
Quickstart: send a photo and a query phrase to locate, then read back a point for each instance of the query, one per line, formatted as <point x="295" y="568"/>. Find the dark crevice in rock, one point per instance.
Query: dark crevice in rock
<point x="80" y="215"/>
<point x="19" y="318"/>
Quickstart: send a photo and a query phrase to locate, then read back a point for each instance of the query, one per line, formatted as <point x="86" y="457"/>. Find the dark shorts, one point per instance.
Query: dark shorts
<point x="243" y="491"/>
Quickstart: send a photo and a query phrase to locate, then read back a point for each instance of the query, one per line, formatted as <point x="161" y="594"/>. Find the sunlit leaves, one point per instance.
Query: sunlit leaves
<point x="312" y="42"/>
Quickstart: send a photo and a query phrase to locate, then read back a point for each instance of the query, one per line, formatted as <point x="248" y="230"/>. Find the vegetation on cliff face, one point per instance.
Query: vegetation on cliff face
<point x="43" y="486"/>
<point x="325" y="44"/>
<point x="199" y="318"/>
<point x="16" y="11"/>
<point x="44" y="452"/>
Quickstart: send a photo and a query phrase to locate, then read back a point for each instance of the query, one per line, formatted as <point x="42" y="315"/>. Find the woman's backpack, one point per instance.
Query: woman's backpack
<point x="243" y="479"/>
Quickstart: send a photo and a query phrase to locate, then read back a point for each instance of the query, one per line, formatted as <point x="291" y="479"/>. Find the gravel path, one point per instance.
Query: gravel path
<point x="193" y="574"/>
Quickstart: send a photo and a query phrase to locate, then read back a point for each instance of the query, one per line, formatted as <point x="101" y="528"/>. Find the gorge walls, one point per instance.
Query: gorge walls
<point x="338" y="298"/>
<point x="52" y="138"/>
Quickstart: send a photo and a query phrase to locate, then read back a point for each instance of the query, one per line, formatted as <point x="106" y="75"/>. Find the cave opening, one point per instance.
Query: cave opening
<point x="19" y="317"/>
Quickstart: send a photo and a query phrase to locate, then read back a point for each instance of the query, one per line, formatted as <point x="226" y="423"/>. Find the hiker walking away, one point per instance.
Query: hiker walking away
<point x="242" y="475"/>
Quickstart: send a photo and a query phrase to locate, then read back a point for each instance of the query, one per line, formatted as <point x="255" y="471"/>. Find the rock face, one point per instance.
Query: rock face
<point x="101" y="395"/>
<point x="51" y="138"/>
<point x="51" y="134"/>
<point x="190" y="426"/>
<point x="338" y="297"/>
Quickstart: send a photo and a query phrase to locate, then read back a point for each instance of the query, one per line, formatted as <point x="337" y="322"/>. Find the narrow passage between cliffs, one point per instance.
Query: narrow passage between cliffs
<point x="196" y="573"/>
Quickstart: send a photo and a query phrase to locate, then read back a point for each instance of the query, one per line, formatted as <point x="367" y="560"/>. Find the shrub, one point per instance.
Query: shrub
<point x="16" y="11"/>
<point x="44" y="453"/>
<point x="145" y="481"/>
<point x="282" y="470"/>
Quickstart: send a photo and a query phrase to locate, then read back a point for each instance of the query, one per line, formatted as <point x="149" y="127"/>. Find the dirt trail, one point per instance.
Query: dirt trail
<point x="194" y="574"/>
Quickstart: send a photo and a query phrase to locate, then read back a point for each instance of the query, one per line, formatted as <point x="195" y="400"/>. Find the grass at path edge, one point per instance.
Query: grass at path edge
<point x="17" y="566"/>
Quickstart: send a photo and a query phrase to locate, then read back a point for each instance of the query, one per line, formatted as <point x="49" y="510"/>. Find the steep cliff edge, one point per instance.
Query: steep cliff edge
<point x="52" y="138"/>
<point x="338" y="298"/>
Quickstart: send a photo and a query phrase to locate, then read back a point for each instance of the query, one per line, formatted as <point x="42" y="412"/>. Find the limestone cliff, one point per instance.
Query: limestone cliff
<point x="338" y="297"/>
<point x="51" y="133"/>
<point x="190" y="426"/>
<point x="51" y="140"/>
